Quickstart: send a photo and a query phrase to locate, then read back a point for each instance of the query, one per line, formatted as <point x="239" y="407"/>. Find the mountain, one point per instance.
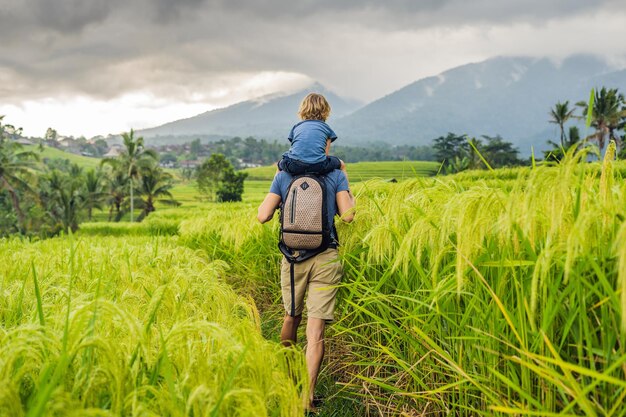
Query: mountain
<point x="510" y="96"/>
<point x="268" y="117"/>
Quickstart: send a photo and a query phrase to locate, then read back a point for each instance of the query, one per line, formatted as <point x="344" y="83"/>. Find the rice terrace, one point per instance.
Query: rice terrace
<point x="333" y="209"/>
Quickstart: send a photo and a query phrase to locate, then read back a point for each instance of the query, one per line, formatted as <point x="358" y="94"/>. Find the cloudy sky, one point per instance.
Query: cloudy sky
<point x="88" y="67"/>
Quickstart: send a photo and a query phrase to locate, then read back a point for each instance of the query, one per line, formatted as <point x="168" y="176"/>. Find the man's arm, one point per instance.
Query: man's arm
<point x="268" y="207"/>
<point x="345" y="204"/>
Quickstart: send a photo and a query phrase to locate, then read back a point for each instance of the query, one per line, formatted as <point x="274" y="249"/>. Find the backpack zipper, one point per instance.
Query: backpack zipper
<point x="293" y="206"/>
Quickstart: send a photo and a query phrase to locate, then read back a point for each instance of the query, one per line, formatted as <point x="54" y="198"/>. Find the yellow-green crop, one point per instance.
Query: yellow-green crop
<point x="133" y="326"/>
<point x="484" y="293"/>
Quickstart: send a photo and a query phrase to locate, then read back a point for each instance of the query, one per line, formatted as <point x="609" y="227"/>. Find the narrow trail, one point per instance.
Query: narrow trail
<point x="268" y="302"/>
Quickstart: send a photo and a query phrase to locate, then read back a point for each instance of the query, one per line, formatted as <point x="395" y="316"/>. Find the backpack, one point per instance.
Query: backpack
<point x="304" y="228"/>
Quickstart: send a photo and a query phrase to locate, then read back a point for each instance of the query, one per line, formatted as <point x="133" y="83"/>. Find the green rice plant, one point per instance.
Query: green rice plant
<point x="482" y="293"/>
<point x="134" y="326"/>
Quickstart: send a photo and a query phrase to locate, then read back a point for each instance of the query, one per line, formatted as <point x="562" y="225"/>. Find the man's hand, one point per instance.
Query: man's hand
<point x="268" y="207"/>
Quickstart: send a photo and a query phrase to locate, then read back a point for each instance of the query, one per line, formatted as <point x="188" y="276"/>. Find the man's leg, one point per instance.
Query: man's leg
<point x="289" y="332"/>
<point x="314" y="351"/>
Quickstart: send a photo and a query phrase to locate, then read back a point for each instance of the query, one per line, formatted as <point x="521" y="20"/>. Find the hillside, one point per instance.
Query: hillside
<point x="510" y="96"/>
<point x="506" y="96"/>
<point x="52" y="153"/>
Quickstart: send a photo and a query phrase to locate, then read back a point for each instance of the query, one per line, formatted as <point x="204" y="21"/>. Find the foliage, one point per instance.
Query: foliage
<point x="449" y="147"/>
<point x="250" y="151"/>
<point x="571" y="141"/>
<point x="63" y="196"/>
<point x="458" y="153"/>
<point x="608" y="115"/>
<point x="498" y="152"/>
<point x="133" y="157"/>
<point x="232" y="186"/>
<point x="131" y="326"/>
<point x="16" y="166"/>
<point x="95" y="191"/>
<point x="154" y="185"/>
<point x="481" y="293"/>
<point x="362" y="171"/>
<point x="560" y="115"/>
<point x="218" y="181"/>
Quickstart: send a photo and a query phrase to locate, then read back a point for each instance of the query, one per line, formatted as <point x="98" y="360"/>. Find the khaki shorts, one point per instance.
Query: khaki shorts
<point x="317" y="276"/>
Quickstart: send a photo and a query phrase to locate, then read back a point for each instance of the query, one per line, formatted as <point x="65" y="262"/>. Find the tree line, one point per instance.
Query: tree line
<point x="605" y="112"/>
<point x="242" y="153"/>
<point x="45" y="198"/>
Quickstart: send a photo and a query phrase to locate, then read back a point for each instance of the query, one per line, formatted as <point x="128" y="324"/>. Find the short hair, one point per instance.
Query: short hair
<point x="314" y="107"/>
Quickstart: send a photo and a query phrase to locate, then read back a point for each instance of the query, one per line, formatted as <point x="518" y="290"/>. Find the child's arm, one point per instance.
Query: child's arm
<point x="328" y="146"/>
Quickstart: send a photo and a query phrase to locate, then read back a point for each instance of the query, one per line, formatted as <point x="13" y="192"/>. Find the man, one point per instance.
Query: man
<point x="316" y="276"/>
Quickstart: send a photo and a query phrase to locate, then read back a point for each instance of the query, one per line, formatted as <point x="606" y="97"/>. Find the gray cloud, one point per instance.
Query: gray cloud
<point x="104" y="48"/>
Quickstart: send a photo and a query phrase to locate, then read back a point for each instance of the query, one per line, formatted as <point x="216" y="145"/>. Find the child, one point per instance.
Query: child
<point x="310" y="141"/>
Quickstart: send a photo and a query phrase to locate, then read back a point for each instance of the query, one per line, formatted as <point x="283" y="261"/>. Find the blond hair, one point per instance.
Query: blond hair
<point x="314" y="107"/>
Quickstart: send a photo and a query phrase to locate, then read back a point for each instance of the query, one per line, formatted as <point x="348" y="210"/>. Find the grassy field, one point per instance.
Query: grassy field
<point x="363" y="171"/>
<point x="259" y="179"/>
<point x="497" y="293"/>
<point x="484" y="293"/>
<point x="52" y="153"/>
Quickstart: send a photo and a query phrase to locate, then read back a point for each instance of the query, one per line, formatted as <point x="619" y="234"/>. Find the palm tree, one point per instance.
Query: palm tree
<point x="607" y="115"/>
<point x="155" y="185"/>
<point x="131" y="159"/>
<point x="64" y="198"/>
<point x="94" y="189"/>
<point x="560" y="114"/>
<point x="476" y="146"/>
<point x="15" y="165"/>
<point x="117" y="190"/>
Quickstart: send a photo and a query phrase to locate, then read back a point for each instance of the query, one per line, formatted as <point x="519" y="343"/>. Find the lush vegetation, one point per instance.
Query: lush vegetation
<point x="218" y="181"/>
<point x="108" y="326"/>
<point x="483" y="293"/>
<point x="46" y="197"/>
<point x="362" y="171"/>
<point x="605" y="112"/>
<point x="248" y="152"/>
<point x="488" y="292"/>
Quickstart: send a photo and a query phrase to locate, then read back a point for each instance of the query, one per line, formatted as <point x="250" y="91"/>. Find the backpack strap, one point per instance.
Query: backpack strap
<point x="292" y="282"/>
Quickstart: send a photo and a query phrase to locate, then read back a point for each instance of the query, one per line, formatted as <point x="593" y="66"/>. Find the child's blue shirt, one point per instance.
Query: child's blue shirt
<point x="308" y="141"/>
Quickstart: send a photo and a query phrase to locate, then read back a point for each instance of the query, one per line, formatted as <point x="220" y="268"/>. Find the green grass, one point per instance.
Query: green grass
<point x="133" y="326"/>
<point x="52" y="153"/>
<point x="362" y="171"/>
<point x="484" y="293"/>
<point x="498" y="293"/>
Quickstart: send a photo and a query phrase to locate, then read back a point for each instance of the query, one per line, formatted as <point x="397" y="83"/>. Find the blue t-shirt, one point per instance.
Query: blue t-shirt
<point x="335" y="182"/>
<point x="308" y="141"/>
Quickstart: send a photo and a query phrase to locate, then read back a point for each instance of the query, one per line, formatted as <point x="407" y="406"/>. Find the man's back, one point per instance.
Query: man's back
<point x="335" y="182"/>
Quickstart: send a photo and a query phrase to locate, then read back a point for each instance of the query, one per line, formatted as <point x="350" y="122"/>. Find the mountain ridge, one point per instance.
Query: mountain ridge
<point x="507" y="96"/>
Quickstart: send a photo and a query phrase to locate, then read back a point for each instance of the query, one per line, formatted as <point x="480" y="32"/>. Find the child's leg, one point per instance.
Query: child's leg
<point x="293" y="167"/>
<point x="345" y="171"/>
<point x="290" y="166"/>
<point x="282" y="164"/>
<point x="332" y="163"/>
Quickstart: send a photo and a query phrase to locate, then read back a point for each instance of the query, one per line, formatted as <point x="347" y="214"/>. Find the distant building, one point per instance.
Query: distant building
<point x="189" y="164"/>
<point x="113" y="152"/>
<point x="249" y="165"/>
<point x="66" y="142"/>
<point x="24" y="141"/>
